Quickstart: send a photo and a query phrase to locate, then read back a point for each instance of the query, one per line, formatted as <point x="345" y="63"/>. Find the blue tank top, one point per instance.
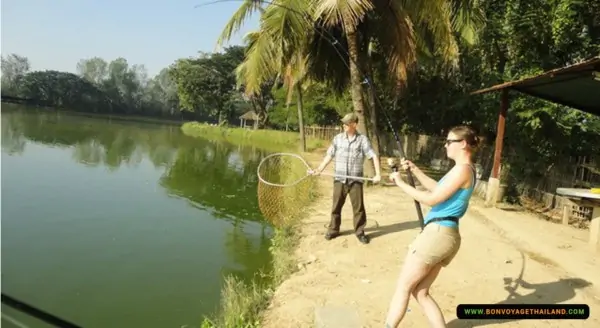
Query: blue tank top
<point x="456" y="205"/>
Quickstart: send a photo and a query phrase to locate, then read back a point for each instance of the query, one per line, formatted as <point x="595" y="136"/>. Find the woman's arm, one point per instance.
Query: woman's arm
<point x="455" y="179"/>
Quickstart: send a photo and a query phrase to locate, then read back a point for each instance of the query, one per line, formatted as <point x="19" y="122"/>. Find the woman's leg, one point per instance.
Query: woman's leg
<point x="413" y="271"/>
<point x="428" y="304"/>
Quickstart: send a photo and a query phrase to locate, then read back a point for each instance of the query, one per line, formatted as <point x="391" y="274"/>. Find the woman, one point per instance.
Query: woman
<point x="439" y="241"/>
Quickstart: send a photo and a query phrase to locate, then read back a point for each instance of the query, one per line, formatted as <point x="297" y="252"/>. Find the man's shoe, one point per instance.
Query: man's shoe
<point x="363" y="238"/>
<point x="331" y="235"/>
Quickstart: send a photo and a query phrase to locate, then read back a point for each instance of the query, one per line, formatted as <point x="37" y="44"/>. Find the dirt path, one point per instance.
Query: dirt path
<point x="346" y="273"/>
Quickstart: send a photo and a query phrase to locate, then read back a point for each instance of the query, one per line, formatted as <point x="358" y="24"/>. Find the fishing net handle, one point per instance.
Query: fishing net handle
<point x="345" y="176"/>
<point x="308" y="167"/>
<point x="321" y="173"/>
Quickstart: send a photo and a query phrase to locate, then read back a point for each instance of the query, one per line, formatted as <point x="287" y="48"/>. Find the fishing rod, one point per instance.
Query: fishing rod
<point x="334" y="42"/>
<point x="37" y="313"/>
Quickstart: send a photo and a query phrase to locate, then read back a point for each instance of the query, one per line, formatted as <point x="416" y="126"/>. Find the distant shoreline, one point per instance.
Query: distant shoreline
<point x="120" y="117"/>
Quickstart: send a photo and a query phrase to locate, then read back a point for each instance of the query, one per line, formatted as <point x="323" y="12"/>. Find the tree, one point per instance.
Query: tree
<point x="99" y="86"/>
<point x="278" y="51"/>
<point x="206" y="85"/>
<point x="399" y="30"/>
<point x="14" y="67"/>
<point x="94" y="70"/>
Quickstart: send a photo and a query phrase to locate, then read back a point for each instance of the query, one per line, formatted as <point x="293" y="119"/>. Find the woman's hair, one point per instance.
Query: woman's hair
<point x="468" y="134"/>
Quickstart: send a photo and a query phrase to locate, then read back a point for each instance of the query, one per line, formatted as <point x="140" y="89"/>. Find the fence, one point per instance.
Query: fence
<point x="322" y="132"/>
<point x="537" y="187"/>
<point x="535" y="190"/>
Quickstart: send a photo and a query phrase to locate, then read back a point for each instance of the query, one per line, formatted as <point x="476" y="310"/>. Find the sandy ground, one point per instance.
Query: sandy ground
<point x="554" y="263"/>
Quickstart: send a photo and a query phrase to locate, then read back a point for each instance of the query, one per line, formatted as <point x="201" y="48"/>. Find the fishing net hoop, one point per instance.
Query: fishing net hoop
<point x="297" y="157"/>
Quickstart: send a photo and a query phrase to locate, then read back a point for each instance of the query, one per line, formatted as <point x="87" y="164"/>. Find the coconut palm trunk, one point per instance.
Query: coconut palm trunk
<point x="287" y="115"/>
<point x="358" y="100"/>
<point x="298" y="87"/>
<point x="373" y="115"/>
<point x="356" y="88"/>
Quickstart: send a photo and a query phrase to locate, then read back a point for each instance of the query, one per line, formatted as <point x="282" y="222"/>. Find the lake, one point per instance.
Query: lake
<point x="109" y="223"/>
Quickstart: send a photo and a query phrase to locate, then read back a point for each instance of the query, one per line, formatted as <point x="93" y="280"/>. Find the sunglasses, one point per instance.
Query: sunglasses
<point x="449" y="141"/>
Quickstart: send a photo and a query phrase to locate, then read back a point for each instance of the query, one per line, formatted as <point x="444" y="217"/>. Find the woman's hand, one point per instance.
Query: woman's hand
<point x="406" y="165"/>
<point x="395" y="176"/>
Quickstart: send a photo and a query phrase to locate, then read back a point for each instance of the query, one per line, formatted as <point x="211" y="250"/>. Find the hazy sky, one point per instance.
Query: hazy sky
<point x="56" y="34"/>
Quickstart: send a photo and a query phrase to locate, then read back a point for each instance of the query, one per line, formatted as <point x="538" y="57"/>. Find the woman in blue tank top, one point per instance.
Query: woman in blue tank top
<point x="438" y="243"/>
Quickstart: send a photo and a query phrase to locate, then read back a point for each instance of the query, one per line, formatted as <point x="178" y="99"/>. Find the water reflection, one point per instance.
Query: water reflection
<point x="212" y="175"/>
<point x="94" y="228"/>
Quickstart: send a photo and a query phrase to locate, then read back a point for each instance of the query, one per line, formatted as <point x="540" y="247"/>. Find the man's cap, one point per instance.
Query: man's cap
<point x="350" y="118"/>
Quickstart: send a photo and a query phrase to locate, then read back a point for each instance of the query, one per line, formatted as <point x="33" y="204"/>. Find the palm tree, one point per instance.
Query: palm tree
<point x="399" y="29"/>
<point x="277" y="51"/>
<point x="294" y="79"/>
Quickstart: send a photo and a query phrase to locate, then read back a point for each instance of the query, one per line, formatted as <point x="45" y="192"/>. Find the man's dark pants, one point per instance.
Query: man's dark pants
<point x="340" y="192"/>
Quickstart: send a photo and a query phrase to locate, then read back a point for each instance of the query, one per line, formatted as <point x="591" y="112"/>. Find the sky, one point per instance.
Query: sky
<point x="56" y="34"/>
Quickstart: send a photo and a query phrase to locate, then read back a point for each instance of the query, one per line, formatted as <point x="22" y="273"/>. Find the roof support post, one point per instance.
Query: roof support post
<point x="500" y="133"/>
<point x="492" y="195"/>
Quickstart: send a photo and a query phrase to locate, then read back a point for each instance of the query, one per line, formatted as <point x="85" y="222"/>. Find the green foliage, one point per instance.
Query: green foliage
<point x="14" y="67"/>
<point x="320" y="108"/>
<point x="266" y="139"/>
<point x="99" y="87"/>
<point x="520" y="39"/>
<point x="64" y="90"/>
<point x="206" y="84"/>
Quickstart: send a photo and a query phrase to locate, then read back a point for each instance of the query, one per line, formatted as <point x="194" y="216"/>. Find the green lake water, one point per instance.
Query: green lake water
<point x="111" y="223"/>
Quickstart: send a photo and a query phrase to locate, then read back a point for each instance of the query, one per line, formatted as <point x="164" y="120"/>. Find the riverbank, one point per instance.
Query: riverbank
<point x="272" y="140"/>
<point x="243" y="304"/>
<point x="505" y="257"/>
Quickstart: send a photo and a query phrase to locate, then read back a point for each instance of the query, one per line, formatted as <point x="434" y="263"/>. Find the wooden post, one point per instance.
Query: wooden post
<point x="500" y="134"/>
<point x="566" y="214"/>
<point x="493" y="186"/>
<point x="595" y="226"/>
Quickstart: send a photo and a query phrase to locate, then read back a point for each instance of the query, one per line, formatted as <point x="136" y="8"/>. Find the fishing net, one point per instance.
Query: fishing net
<point x="284" y="188"/>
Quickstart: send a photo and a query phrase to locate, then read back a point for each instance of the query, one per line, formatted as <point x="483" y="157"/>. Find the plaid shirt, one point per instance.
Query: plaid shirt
<point x="349" y="154"/>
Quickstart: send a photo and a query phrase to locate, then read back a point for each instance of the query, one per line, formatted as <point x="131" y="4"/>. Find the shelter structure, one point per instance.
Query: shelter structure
<point x="249" y="116"/>
<point x="576" y="86"/>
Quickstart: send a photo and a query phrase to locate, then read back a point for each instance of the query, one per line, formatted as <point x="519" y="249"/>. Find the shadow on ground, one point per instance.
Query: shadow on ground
<point x="392" y="228"/>
<point x="554" y="292"/>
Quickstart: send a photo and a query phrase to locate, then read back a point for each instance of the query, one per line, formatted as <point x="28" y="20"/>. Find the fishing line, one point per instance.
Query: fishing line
<point x="334" y="42"/>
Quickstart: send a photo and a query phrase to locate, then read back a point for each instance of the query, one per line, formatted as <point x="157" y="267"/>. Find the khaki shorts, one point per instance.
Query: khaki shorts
<point x="436" y="244"/>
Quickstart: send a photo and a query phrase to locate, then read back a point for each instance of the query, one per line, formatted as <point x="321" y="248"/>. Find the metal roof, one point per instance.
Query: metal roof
<point x="576" y="86"/>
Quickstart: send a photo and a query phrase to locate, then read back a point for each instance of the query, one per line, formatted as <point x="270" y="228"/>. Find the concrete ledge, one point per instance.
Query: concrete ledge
<point x="335" y="316"/>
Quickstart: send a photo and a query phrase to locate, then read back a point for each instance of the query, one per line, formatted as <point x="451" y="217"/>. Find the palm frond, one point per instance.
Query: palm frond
<point x="244" y="12"/>
<point x="467" y="18"/>
<point x="396" y="38"/>
<point x="436" y="17"/>
<point x="346" y="13"/>
<point x="328" y="57"/>
<point x="289" y="25"/>
<point x="259" y="65"/>
<point x="277" y="50"/>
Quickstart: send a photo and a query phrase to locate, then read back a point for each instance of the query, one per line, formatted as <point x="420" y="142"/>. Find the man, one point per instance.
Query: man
<point x="349" y="149"/>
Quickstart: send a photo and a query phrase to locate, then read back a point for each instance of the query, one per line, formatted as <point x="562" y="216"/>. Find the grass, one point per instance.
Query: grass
<point x="242" y="304"/>
<point x="271" y="140"/>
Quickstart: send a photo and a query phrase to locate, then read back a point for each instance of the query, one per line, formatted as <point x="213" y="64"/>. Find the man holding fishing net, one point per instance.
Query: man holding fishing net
<point x="349" y="149"/>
